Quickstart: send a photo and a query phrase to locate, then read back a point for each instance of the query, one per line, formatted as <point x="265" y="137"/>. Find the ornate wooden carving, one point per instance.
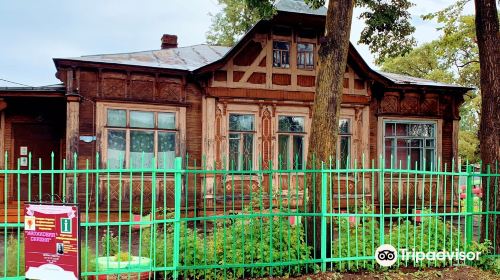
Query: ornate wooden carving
<point x="429" y="104"/>
<point x="218" y="138"/>
<point x="114" y="88"/>
<point x="266" y="137"/>
<point x="390" y="103"/>
<point x="170" y="91"/>
<point x="141" y="89"/>
<point x="409" y="104"/>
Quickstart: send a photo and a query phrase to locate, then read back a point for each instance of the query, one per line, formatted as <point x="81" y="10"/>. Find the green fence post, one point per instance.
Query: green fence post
<point x="381" y="200"/>
<point x="469" y="200"/>
<point x="177" y="213"/>
<point x="324" y="179"/>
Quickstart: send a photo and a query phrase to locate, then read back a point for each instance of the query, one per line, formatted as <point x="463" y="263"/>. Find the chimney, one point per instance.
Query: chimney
<point x="168" y="41"/>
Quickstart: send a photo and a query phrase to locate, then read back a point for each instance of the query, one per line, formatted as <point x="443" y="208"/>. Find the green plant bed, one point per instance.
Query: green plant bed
<point x="134" y="262"/>
<point x="108" y="267"/>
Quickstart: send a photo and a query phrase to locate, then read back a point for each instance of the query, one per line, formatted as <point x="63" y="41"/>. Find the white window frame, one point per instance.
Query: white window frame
<point x="255" y="132"/>
<point x="101" y="120"/>
<point x="349" y="136"/>
<point x="303" y="134"/>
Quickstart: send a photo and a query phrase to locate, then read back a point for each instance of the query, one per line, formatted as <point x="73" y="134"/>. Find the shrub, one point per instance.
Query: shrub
<point x="235" y="241"/>
<point x="15" y="252"/>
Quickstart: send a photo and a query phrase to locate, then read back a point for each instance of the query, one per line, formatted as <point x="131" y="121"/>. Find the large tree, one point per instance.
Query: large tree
<point x="488" y="41"/>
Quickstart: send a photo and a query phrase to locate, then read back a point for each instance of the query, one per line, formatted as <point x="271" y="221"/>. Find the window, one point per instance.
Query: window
<point x="241" y="136"/>
<point x="410" y="143"/>
<point x="281" y="54"/>
<point x="344" y="142"/>
<point x="291" y="142"/>
<point x="135" y="137"/>
<point x="305" y="55"/>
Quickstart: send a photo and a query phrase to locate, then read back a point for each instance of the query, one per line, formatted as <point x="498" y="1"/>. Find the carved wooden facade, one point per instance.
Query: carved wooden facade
<point x="250" y="80"/>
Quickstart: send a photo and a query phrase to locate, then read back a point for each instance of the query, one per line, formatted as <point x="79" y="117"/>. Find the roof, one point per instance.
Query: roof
<point x="48" y="88"/>
<point x="183" y="58"/>
<point x="409" y="80"/>
<point x="299" y="7"/>
<point x="196" y="59"/>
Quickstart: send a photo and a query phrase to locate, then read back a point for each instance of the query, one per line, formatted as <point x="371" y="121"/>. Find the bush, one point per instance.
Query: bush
<point x="15" y="252"/>
<point x="431" y="234"/>
<point x="355" y="239"/>
<point x="238" y="241"/>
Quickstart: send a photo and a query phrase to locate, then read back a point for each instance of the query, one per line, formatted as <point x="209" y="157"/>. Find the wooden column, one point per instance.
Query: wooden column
<point x="72" y="138"/>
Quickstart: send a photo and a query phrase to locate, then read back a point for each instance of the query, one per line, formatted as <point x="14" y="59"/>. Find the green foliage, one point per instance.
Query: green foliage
<point x="237" y="241"/>
<point x="432" y="234"/>
<point x="109" y="244"/>
<point x="235" y="19"/>
<point x="359" y="239"/>
<point x="15" y="253"/>
<point x="88" y="259"/>
<point x="388" y="31"/>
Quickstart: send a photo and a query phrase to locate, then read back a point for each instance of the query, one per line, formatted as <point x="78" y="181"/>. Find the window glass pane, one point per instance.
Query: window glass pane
<point x="344" y="151"/>
<point x="117" y="118"/>
<point x="141" y="119"/>
<point x="305" y="55"/>
<point x="401" y="129"/>
<point x="166" y="120"/>
<point x="141" y="142"/>
<point x="281" y="54"/>
<point x="291" y="124"/>
<point x="421" y="130"/>
<point x="389" y="150"/>
<point x="344" y="126"/>
<point x="234" y="150"/>
<point x="278" y="45"/>
<point x="412" y="142"/>
<point x="241" y="122"/>
<point x="429" y="159"/>
<point x="429" y="143"/>
<point x="166" y="149"/>
<point x="389" y="129"/>
<point x="247" y="151"/>
<point x="283" y="151"/>
<point x="298" y="152"/>
<point x="304" y="47"/>
<point x="116" y="148"/>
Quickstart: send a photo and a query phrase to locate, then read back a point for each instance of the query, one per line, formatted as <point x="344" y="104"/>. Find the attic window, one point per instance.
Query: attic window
<point x="305" y="56"/>
<point x="281" y="54"/>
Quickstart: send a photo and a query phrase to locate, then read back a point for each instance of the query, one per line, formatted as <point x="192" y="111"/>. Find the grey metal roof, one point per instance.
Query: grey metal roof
<point x="409" y="80"/>
<point x="183" y="58"/>
<point x="298" y="6"/>
<point x="49" y="88"/>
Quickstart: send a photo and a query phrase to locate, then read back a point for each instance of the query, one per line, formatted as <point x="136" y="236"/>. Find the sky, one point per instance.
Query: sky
<point x="32" y="32"/>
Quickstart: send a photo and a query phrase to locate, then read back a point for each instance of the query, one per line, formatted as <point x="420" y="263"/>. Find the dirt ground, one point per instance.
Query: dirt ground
<point x="462" y="273"/>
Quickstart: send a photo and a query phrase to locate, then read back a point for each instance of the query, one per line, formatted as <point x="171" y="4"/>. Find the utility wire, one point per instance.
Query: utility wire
<point x="15" y="83"/>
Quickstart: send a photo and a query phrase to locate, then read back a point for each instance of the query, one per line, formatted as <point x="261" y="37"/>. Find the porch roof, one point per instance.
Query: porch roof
<point x="57" y="90"/>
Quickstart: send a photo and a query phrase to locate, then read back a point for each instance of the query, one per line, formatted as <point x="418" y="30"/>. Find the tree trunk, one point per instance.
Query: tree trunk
<point x="487" y="32"/>
<point x="329" y="85"/>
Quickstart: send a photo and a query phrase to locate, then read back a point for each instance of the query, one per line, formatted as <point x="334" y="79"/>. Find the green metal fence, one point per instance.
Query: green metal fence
<point x="199" y="222"/>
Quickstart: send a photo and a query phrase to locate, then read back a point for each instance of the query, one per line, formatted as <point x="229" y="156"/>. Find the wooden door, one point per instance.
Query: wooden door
<point x="40" y="140"/>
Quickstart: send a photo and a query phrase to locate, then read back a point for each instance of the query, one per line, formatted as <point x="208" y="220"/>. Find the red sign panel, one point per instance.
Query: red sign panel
<point x="51" y="236"/>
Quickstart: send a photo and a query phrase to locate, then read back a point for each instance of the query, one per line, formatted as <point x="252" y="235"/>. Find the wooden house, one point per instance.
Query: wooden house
<point x="235" y="107"/>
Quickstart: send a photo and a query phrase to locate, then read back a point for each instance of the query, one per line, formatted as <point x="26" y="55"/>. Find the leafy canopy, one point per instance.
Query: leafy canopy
<point x="388" y="31"/>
